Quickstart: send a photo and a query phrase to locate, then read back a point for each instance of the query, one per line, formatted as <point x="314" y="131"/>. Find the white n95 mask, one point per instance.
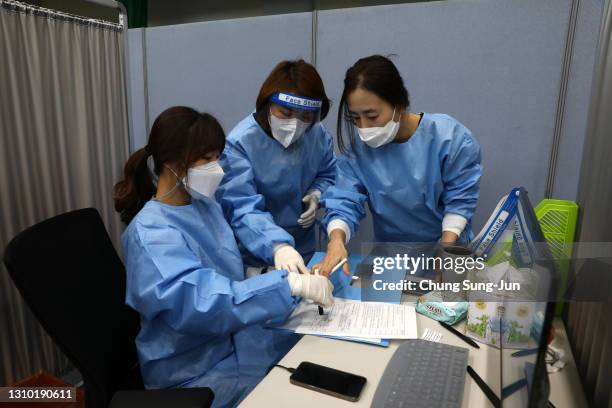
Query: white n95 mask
<point x="202" y="181"/>
<point x="378" y="136"/>
<point x="287" y="131"/>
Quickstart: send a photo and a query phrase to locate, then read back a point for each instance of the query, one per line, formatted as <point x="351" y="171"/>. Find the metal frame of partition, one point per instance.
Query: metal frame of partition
<point x="567" y="61"/>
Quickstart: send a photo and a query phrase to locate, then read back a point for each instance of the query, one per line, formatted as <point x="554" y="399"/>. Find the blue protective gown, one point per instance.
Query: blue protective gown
<point x="261" y="193"/>
<point x="201" y="321"/>
<point x="409" y="186"/>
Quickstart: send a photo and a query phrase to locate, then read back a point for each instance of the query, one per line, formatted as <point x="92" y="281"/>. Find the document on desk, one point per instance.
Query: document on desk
<point x="353" y="318"/>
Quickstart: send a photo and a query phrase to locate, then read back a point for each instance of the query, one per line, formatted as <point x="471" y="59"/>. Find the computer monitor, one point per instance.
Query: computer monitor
<point x="523" y="374"/>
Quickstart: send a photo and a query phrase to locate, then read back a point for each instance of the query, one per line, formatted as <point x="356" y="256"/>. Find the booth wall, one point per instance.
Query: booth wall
<point x="494" y="65"/>
<point x="218" y="66"/>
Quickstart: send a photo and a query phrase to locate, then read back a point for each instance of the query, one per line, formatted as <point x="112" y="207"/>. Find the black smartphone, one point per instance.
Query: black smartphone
<point x="328" y="381"/>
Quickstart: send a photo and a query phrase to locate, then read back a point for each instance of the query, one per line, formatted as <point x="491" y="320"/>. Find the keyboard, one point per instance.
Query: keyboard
<point x="423" y="374"/>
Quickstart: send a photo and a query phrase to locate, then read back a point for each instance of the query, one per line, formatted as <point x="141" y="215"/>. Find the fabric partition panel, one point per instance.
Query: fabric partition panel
<point x="219" y="66"/>
<point x="494" y="65"/>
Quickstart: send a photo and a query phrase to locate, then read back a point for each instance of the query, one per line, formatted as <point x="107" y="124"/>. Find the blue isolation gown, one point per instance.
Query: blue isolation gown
<point x="201" y="320"/>
<point x="409" y="186"/>
<point x="261" y="193"/>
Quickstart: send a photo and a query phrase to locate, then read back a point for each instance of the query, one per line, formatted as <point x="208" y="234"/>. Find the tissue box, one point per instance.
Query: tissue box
<point x="432" y="305"/>
<point x="498" y="317"/>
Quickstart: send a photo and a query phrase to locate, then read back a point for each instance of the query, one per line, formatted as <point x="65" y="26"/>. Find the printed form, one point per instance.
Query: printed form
<point x="353" y="318"/>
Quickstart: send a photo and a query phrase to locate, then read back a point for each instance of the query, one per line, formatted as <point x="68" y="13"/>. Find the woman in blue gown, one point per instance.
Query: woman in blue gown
<point x="419" y="172"/>
<point x="202" y="322"/>
<point x="278" y="161"/>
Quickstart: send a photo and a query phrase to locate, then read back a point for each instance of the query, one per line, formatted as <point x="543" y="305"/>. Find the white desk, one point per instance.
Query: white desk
<point x="275" y="390"/>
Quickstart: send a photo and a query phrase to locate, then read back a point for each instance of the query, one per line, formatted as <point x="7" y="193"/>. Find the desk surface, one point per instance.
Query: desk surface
<point x="370" y="361"/>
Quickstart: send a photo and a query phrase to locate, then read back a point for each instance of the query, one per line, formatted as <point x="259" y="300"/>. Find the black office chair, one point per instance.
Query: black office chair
<point x="70" y="275"/>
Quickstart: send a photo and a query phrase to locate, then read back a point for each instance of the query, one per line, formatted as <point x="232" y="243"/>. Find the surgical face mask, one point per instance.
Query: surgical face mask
<point x="202" y="181"/>
<point x="287" y="131"/>
<point x="378" y="136"/>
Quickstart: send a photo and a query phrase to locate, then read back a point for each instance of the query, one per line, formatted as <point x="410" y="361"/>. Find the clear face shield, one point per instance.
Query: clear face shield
<point x="285" y="105"/>
<point x="291" y="116"/>
<point x="282" y="112"/>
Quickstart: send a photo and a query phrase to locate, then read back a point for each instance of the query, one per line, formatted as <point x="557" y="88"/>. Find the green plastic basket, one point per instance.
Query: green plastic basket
<point x="558" y="222"/>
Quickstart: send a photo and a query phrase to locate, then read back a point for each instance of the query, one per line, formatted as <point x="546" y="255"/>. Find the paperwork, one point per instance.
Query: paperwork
<point x="355" y="319"/>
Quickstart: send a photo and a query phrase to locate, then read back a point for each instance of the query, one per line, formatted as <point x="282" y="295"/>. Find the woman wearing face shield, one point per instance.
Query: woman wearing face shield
<point x="278" y="160"/>
<point x="202" y="322"/>
<point x="419" y="172"/>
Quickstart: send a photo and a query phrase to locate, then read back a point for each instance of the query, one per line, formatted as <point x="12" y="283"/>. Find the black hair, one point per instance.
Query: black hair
<point x="180" y="135"/>
<point x="378" y="75"/>
<point x="296" y="76"/>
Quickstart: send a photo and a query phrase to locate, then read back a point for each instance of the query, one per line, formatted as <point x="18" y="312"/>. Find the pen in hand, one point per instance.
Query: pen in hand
<point x="335" y="268"/>
<point x="339" y="265"/>
<point x="321" y="311"/>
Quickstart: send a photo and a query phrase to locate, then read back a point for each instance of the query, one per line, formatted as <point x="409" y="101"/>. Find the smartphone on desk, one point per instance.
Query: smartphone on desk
<point x="328" y="381"/>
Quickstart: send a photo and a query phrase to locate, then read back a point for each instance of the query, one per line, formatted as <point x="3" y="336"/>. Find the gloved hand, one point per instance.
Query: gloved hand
<point x="307" y="218"/>
<point x="285" y="257"/>
<point x="314" y="287"/>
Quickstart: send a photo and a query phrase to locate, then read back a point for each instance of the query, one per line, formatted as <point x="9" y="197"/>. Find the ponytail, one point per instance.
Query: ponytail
<point x="131" y="193"/>
<point x="179" y="135"/>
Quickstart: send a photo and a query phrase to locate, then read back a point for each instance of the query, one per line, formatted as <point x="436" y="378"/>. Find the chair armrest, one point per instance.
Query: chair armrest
<point x="166" y="398"/>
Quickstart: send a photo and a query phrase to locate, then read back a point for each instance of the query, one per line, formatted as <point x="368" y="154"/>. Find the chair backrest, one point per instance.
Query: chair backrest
<point x="70" y="275"/>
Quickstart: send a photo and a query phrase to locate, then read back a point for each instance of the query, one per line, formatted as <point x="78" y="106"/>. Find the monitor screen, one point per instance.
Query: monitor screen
<point x="527" y="322"/>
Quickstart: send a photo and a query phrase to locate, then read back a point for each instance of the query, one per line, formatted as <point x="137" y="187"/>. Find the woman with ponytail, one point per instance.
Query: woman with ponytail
<point x="201" y="320"/>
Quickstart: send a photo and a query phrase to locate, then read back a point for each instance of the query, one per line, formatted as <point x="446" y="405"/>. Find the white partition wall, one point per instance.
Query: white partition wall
<point x="495" y="65"/>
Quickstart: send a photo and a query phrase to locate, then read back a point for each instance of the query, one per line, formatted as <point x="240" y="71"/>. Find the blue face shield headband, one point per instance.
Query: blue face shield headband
<point x="292" y="101"/>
